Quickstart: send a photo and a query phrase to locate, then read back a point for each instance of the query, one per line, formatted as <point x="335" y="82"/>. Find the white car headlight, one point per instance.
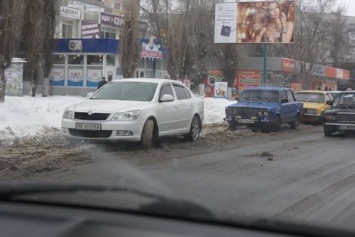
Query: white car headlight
<point x="129" y="115"/>
<point x="68" y="114"/>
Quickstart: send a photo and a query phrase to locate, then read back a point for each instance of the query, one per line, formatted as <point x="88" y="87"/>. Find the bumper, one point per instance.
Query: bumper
<point x="340" y="127"/>
<point x="250" y="122"/>
<point x="109" y="130"/>
<point x="311" y="117"/>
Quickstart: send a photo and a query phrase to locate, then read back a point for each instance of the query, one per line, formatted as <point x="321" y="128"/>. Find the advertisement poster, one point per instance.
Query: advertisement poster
<point x="57" y="77"/>
<point x="90" y="30"/>
<point x="266" y="22"/>
<point x="255" y="22"/>
<point x="152" y="48"/>
<point x="246" y="79"/>
<point x="14" y="80"/>
<point x="93" y="77"/>
<point x="221" y="89"/>
<point x="75" y="77"/>
<point x="225" y="23"/>
<point x="212" y="77"/>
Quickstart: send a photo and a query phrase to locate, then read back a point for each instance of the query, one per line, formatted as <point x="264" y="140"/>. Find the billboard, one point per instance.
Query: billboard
<point x="255" y="22"/>
<point x="225" y="23"/>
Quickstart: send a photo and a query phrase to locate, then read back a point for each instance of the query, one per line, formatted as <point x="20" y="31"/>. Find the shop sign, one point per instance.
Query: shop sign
<point x="246" y="79"/>
<point x="90" y="30"/>
<point x="340" y="73"/>
<point x="70" y="13"/>
<point x="318" y="70"/>
<point x="331" y="72"/>
<point x="110" y="19"/>
<point x="288" y="65"/>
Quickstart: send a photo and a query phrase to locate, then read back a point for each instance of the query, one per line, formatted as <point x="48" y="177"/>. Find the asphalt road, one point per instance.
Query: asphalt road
<point x="301" y="175"/>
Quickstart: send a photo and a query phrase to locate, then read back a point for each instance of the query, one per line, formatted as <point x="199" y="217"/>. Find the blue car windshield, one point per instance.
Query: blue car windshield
<point x="260" y="95"/>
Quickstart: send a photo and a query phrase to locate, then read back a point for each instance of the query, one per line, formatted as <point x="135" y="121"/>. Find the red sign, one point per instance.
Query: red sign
<point x="331" y="72"/>
<point x="288" y="65"/>
<point x="246" y="79"/>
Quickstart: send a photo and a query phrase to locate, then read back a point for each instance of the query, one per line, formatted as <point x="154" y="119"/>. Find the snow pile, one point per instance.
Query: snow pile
<point x="28" y="116"/>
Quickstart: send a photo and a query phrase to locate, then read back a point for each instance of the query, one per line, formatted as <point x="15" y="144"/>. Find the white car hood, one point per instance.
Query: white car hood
<point x="108" y="106"/>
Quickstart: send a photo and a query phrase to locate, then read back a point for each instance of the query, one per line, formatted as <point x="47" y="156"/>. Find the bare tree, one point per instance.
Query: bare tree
<point x="48" y="25"/>
<point x="315" y="36"/>
<point x="11" y="20"/>
<point x="129" y="47"/>
<point x="32" y="39"/>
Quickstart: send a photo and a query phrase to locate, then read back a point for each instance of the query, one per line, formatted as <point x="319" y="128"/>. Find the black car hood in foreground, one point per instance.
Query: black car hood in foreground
<point x="162" y="208"/>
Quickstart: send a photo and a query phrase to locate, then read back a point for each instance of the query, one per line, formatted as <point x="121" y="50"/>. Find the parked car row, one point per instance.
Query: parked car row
<point x="267" y="108"/>
<point x="144" y="110"/>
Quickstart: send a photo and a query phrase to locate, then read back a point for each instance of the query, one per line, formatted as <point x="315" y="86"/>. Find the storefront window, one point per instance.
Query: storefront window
<point x="95" y="60"/>
<point x="76" y="59"/>
<point x="58" y="59"/>
<point x="110" y="60"/>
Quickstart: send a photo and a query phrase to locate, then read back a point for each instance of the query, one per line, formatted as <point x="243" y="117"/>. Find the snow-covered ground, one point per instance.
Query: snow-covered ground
<point x="28" y="116"/>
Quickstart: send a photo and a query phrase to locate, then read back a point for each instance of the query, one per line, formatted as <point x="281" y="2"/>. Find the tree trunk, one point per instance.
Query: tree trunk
<point x="2" y="85"/>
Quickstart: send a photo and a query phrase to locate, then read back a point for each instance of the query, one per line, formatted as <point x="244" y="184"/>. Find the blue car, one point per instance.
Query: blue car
<point x="265" y="109"/>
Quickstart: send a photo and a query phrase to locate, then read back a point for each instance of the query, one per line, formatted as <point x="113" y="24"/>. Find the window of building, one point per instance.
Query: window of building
<point x="58" y="59"/>
<point x="110" y="60"/>
<point x="76" y="59"/>
<point x="95" y="60"/>
<point x="108" y="33"/>
<point x="67" y="29"/>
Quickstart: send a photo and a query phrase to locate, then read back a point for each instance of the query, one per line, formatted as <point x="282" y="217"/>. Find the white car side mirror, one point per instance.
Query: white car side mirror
<point x="167" y="98"/>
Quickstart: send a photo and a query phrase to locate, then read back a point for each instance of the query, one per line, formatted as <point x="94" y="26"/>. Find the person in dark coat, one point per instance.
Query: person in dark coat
<point x="101" y="83"/>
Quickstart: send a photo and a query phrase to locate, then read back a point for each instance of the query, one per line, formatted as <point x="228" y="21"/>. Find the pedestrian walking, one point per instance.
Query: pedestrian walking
<point x="102" y="82"/>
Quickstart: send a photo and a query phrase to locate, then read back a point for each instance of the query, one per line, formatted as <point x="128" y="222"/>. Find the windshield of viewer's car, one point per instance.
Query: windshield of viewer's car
<point x="260" y="95"/>
<point x="126" y="90"/>
<point x="310" y="97"/>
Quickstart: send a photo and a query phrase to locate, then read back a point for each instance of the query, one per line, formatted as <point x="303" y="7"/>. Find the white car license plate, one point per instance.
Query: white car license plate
<point x="245" y="121"/>
<point x="88" y="126"/>
<point x="347" y="127"/>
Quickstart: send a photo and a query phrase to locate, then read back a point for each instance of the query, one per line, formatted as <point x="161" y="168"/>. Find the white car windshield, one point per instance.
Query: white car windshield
<point x="126" y="90"/>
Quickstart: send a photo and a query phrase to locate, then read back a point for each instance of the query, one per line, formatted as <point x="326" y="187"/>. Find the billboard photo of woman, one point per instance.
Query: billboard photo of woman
<point x="266" y="22"/>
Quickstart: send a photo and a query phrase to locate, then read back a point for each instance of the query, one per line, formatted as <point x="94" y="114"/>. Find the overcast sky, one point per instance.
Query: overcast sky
<point x="350" y="4"/>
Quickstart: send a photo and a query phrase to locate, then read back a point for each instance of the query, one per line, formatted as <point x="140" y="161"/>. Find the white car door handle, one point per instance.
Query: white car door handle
<point x="176" y="106"/>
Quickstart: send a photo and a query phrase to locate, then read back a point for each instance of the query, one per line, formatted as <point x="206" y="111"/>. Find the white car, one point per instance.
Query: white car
<point x="137" y="109"/>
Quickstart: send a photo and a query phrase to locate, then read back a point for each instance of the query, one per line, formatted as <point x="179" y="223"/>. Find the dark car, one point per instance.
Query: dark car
<point x="341" y="117"/>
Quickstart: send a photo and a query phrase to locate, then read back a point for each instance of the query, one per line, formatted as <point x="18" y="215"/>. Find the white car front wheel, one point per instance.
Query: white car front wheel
<point x="195" y="129"/>
<point x="148" y="134"/>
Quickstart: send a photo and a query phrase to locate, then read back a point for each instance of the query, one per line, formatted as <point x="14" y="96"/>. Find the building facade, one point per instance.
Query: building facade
<point x="87" y="47"/>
